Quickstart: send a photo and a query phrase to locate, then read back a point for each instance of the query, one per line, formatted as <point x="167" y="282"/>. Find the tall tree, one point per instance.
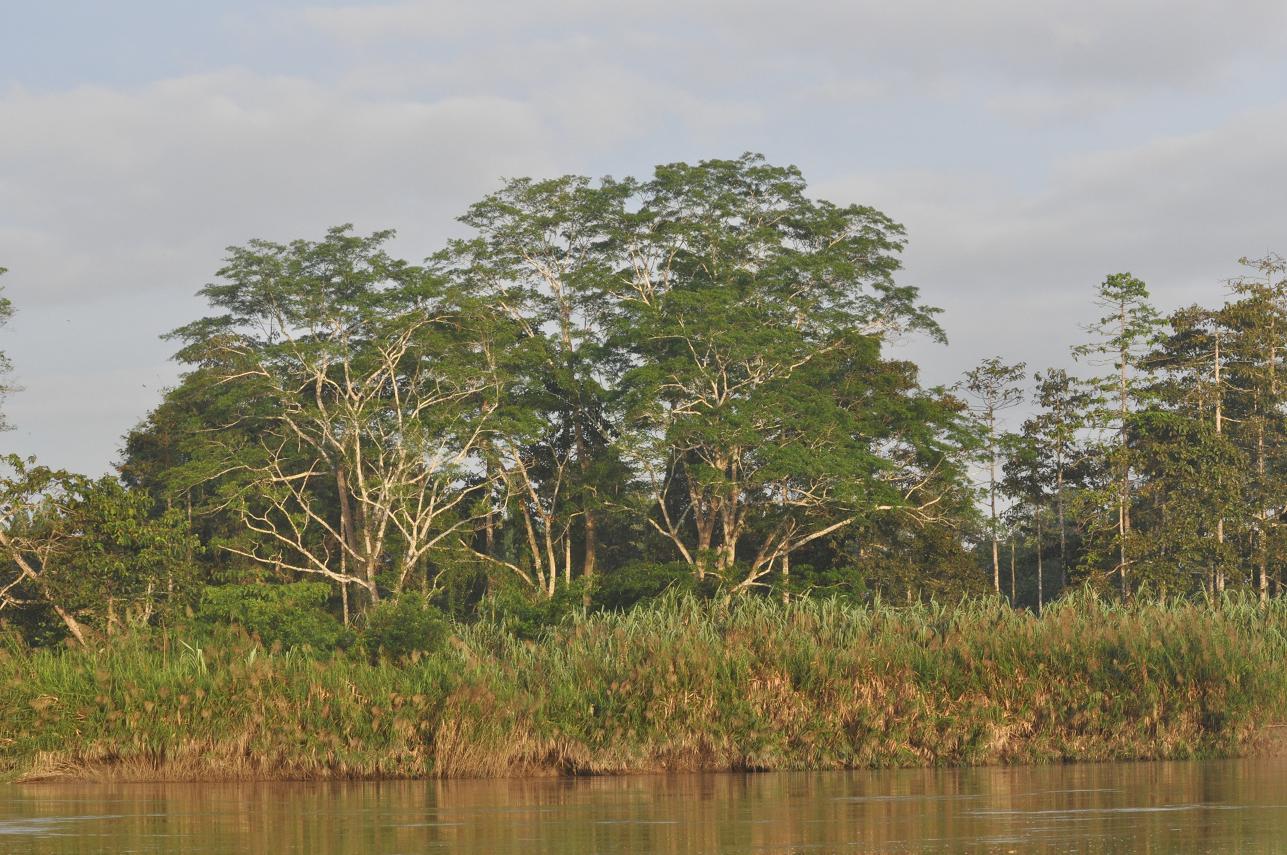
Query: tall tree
<point x="540" y="256"/>
<point x="1122" y="337"/>
<point x="1197" y="475"/>
<point x="751" y="317"/>
<point x="365" y="369"/>
<point x="1257" y="319"/>
<point x="1063" y="405"/>
<point x="1027" y="479"/>
<point x="994" y="386"/>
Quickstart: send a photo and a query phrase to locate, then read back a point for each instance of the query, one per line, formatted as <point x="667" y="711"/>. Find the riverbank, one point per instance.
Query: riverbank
<point x="678" y="686"/>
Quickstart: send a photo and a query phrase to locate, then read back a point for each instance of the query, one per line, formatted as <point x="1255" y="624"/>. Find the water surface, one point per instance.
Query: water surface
<point x="1217" y="807"/>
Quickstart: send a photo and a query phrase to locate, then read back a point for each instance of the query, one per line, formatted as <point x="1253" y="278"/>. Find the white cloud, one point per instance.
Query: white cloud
<point x="116" y="202"/>
<point x="115" y="206"/>
<point x="1088" y="46"/>
<point x="1015" y="267"/>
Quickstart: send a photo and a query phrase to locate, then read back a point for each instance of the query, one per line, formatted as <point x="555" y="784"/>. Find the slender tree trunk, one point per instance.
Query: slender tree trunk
<point x="1262" y="546"/>
<point x="1124" y="494"/>
<point x="489" y="525"/>
<point x="567" y="557"/>
<point x="1266" y="513"/>
<point x="348" y="526"/>
<point x="1063" y="528"/>
<point x="992" y="497"/>
<point x="1217" y="582"/>
<point x="75" y="627"/>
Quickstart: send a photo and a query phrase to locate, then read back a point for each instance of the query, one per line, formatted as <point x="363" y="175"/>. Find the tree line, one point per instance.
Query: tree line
<point x="612" y="388"/>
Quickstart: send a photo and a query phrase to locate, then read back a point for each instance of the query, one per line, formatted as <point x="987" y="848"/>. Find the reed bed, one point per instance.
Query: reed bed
<point x="676" y="685"/>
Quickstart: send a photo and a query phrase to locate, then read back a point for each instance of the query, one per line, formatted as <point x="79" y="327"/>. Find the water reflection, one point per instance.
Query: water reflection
<point x="1224" y="806"/>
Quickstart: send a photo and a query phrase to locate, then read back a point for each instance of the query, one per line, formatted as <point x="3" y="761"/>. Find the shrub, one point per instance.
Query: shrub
<point x="526" y="614"/>
<point x="634" y="583"/>
<point x="398" y="628"/>
<point x="292" y="615"/>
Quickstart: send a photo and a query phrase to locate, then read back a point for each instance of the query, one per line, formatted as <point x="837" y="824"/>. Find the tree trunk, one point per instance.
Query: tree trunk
<point x="1063" y="527"/>
<point x="992" y="497"/>
<point x="1124" y="495"/>
<point x="1217" y="582"/>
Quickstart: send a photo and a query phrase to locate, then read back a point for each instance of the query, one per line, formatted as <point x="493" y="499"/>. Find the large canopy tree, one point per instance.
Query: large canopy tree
<point x="361" y="371"/>
<point x="757" y="402"/>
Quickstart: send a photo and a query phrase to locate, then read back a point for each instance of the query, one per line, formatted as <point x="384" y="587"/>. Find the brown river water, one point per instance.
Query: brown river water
<point x="1227" y="806"/>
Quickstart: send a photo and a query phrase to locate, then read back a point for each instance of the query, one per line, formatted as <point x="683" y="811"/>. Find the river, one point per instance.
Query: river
<point x="1217" y="806"/>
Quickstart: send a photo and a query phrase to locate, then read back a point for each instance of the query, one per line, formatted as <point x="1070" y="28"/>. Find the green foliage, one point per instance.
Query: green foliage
<point x="92" y="552"/>
<point x="747" y="683"/>
<point x="399" y="628"/>
<point x="631" y="584"/>
<point x="292" y="615"/>
<point x="517" y="612"/>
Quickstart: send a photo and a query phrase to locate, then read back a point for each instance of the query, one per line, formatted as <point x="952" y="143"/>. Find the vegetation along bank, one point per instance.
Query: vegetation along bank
<point x="678" y="684"/>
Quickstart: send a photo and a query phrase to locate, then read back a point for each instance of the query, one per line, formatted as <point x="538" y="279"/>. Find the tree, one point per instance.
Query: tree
<point x="540" y="257"/>
<point x="88" y="550"/>
<point x="1195" y="475"/>
<point x="1063" y="403"/>
<point x="1026" y="481"/>
<point x="1257" y="321"/>
<point x="362" y="372"/>
<point x="1123" y="335"/>
<point x="994" y="387"/>
<point x="758" y="410"/>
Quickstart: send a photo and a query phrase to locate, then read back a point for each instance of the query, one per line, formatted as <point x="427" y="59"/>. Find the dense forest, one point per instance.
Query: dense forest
<point x="613" y="389"/>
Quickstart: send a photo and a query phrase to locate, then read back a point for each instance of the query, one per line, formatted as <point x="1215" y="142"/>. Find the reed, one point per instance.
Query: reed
<point x="676" y="685"/>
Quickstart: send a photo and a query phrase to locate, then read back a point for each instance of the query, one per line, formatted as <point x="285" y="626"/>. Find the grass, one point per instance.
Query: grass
<point x="677" y="685"/>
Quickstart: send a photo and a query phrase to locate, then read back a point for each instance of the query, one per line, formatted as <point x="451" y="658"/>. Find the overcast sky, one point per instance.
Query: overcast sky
<point x="1029" y="147"/>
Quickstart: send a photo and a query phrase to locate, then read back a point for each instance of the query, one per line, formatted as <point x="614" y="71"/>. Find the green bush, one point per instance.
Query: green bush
<point x="529" y="615"/>
<point x="292" y="615"/>
<point x="634" y="583"/>
<point x="398" y="628"/>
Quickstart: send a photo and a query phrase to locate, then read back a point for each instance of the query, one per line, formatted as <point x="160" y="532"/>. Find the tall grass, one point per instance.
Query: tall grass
<point x="680" y="684"/>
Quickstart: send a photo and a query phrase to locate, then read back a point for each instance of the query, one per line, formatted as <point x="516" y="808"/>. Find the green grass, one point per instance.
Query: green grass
<point x="677" y="685"/>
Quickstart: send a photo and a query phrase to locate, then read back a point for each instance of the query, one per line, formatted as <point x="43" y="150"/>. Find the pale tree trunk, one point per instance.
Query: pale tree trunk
<point x="1059" y="512"/>
<point x="1262" y="546"/>
<point x="992" y="497"/>
<point x="1124" y="492"/>
<point x="1217" y="583"/>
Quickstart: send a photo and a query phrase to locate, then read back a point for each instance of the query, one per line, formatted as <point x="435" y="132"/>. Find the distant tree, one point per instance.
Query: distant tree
<point x="1257" y="344"/>
<point x="1196" y="477"/>
<point x="994" y="387"/>
<point x="1064" y="404"/>
<point x="1122" y="337"/>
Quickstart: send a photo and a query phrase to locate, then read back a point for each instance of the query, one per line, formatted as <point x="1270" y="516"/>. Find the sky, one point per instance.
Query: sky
<point x="1030" y="147"/>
